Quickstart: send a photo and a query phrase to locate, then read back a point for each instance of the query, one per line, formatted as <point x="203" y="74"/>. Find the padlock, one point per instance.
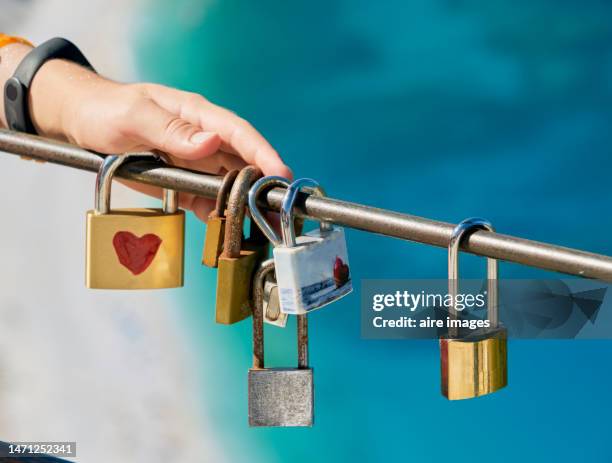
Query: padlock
<point x="133" y="248"/>
<point x="475" y="364"/>
<point x="312" y="270"/>
<point x="240" y="256"/>
<point x="215" y="225"/>
<point x="271" y="303"/>
<point x="278" y="396"/>
<point x="271" y="300"/>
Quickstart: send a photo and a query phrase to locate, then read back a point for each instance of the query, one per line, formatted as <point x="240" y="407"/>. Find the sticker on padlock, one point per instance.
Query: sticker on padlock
<point x="133" y="248"/>
<point x="313" y="269"/>
<point x="475" y="364"/>
<point x="278" y="396"/>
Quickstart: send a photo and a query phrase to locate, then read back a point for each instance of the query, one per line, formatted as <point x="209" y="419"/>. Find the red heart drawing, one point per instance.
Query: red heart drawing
<point x="136" y="254"/>
<point x="341" y="272"/>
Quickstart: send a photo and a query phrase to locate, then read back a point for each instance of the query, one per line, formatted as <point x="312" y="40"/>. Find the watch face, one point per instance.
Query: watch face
<point x="13" y="102"/>
<point x="12" y="89"/>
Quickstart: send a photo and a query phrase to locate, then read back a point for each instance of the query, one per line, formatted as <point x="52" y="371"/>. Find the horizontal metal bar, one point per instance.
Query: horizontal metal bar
<point x="366" y="218"/>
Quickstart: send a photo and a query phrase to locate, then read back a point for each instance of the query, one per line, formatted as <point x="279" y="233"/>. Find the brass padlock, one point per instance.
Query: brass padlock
<point x="215" y="225"/>
<point x="239" y="257"/>
<point x="278" y="396"/>
<point x="476" y="364"/>
<point x="133" y="248"/>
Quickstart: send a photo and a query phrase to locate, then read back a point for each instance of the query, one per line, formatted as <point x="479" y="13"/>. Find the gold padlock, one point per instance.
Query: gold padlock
<point x="239" y="257"/>
<point x="476" y="364"/>
<point x="215" y="225"/>
<point x="133" y="248"/>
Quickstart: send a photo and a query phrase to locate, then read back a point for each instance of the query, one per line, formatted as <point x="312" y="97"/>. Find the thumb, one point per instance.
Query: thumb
<point x="157" y="128"/>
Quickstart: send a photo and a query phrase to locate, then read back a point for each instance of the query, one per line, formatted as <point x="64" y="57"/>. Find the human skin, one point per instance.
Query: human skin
<point x="68" y="102"/>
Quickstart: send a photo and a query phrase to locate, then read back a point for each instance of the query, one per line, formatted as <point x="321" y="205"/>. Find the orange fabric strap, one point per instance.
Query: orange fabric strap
<point x="7" y="40"/>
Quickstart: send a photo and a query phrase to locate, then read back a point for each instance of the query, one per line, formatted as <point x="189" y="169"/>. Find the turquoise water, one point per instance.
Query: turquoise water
<point x="445" y="109"/>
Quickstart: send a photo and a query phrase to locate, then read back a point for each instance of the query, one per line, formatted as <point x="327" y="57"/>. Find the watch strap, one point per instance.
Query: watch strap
<point x="16" y="89"/>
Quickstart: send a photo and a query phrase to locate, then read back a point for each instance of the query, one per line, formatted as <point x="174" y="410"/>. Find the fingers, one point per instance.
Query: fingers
<point x="218" y="163"/>
<point x="198" y="135"/>
<point x="242" y="138"/>
<point x="237" y="135"/>
<point x="202" y="207"/>
<point x="152" y="125"/>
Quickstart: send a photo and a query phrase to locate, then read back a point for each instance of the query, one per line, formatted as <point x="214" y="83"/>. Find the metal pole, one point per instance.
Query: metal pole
<point x="366" y="218"/>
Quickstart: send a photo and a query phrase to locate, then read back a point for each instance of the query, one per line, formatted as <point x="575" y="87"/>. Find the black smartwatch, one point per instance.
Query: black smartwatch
<point x="16" y="89"/>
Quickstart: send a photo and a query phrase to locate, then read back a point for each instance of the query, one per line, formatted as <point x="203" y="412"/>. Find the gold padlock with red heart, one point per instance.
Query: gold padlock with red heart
<point x="133" y="248"/>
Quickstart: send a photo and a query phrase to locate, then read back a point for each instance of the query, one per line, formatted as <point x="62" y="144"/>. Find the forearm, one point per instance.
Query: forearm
<point x="54" y="90"/>
<point x="72" y="103"/>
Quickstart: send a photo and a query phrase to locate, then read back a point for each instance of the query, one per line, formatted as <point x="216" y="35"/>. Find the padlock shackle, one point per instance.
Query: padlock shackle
<point x="265" y="183"/>
<point x="259" y="279"/>
<point x="104" y="181"/>
<point x="223" y="193"/>
<point x="236" y="210"/>
<point x="170" y="203"/>
<point x="459" y="233"/>
<point x="302" y="341"/>
<point x="286" y="212"/>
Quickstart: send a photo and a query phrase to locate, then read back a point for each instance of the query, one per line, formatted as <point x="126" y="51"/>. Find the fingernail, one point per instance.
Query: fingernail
<point x="200" y="137"/>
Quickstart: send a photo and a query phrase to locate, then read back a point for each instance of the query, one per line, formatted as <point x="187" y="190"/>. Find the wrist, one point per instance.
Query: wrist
<point x="53" y="94"/>
<point x="54" y="97"/>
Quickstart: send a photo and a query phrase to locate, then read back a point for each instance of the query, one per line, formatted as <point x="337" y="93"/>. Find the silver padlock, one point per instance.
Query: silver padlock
<point x="280" y="397"/>
<point x="271" y="301"/>
<point x="312" y="270"/>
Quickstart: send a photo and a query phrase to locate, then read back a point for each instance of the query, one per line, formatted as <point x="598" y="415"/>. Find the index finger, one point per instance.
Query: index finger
<point x="237" y="135"/>
<point x="240" y="137"/>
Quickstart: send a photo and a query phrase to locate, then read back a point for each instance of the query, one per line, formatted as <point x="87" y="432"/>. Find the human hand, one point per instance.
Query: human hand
<point x="73" y="103"/>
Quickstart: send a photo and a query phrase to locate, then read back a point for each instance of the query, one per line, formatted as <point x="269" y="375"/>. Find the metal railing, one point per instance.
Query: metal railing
<point x="390" y="223"/>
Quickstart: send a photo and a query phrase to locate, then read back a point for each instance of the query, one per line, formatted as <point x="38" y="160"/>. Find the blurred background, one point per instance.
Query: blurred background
<point x="438" y="108"/>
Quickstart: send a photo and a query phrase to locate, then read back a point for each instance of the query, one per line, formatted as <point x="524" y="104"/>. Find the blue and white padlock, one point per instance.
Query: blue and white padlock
<point x="312" y="270"/>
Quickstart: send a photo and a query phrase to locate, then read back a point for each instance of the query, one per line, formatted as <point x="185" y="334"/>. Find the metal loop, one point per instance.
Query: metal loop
<point x="458" y="234"/>
<point x="104" y="181"/>
<point x="258" y="187"/>
<point x="302" y="341"/>
<point x="170" y="202"/>
<point x="259" y="280"/>
<point x="223" y="193"/>
<point x="286" y="212"/>
<point x="236" y="209"/>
